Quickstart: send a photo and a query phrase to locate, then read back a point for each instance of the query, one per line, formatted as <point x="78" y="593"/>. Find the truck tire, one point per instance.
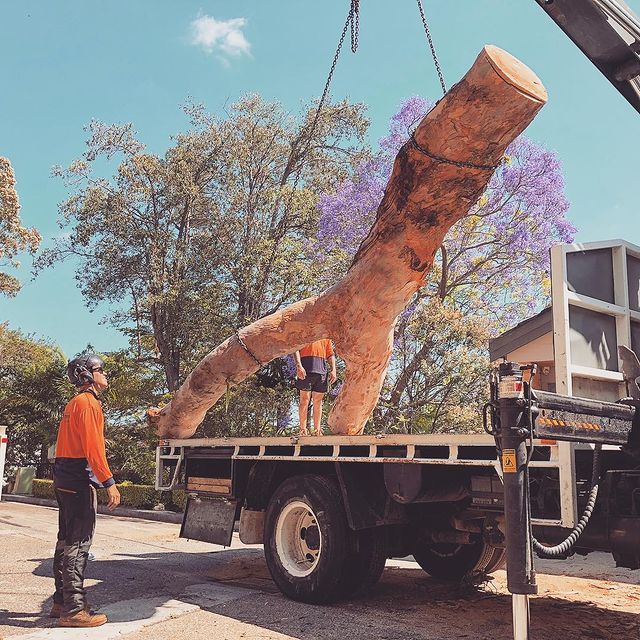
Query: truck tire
<point x="497" y="561"/>
<point x="306" y="539"/>
<point x="364" y="565"/>
<point x="452" y="562"/>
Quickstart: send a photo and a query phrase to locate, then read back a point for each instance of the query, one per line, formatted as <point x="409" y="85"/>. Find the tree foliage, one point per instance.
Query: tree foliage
<point x="437" y="379"/>
<point x="133" y="387"/>
<point x="33" y="393"/>
<point x="14" y="238"/>
<point x="34" y="390"/>
<point x="191" y="245"/>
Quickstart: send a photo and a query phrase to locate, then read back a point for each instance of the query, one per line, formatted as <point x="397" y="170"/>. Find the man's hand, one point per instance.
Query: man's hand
<point x="301" y="374"/>
<point x="114" y="497"/>
<point x="332" y="376"/>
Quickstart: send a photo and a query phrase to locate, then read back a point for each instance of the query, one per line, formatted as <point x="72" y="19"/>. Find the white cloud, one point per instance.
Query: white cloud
<point x="222" y="36"/>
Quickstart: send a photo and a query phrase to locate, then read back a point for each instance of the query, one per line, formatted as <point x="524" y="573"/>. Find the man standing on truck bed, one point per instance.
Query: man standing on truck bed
<point x="80" y="466"/>
<point x="312" y="380"/>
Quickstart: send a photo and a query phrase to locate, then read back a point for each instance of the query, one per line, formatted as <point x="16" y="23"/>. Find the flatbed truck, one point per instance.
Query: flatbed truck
<point x="330" y="510"/>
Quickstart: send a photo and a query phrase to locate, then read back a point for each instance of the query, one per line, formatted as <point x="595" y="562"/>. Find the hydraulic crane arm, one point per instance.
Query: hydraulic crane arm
<point x="608" y="33"/>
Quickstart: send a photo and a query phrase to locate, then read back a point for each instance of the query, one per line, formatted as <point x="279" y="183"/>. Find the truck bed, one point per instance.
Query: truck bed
<point x="461" y="450"/>
<point x="465" y="449"/>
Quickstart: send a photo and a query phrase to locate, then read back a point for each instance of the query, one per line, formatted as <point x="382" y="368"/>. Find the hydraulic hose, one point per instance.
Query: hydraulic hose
<point x="561" y="549"/>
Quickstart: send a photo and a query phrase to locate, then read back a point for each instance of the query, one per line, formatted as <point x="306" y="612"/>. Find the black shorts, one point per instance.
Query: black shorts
<point x="318" y="382"/>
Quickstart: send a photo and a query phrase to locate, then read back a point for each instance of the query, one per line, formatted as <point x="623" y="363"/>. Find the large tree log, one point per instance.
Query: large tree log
<point x="475" y="122"/>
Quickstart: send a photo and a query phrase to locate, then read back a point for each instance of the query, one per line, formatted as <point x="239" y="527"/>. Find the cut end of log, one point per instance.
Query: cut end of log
<point x="516" y="73"/>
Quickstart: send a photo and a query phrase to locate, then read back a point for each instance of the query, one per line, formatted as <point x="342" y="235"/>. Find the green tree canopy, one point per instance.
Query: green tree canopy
<point x="33" y="392"/>
<point x="193" y="244"/>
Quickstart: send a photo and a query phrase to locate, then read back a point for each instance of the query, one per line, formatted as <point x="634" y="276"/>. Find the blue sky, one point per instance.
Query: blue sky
<point x="64" y="63"/>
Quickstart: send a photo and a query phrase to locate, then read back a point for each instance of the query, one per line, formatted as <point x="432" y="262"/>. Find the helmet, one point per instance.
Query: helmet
<point x="79" y="370"/>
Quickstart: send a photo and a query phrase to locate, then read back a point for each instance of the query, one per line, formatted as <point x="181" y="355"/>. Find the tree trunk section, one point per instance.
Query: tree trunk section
<point x="474" y="123"/>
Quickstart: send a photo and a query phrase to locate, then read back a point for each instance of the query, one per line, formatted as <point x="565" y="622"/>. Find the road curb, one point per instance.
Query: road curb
<point x="123" y="512"/>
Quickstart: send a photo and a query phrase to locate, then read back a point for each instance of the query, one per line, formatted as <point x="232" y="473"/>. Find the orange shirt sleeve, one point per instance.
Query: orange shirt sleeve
<point x="328" y="349"/>
<point x="92" y="438"/>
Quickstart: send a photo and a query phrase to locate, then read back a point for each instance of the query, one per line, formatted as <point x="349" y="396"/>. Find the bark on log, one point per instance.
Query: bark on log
<point x="475" y="122"/>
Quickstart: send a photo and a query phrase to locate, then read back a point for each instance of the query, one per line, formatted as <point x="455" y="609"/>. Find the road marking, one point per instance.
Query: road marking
<point x="130" y="616"/>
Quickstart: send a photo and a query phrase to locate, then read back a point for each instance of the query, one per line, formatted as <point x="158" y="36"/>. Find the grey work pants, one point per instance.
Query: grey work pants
<point x="76" y="524"/>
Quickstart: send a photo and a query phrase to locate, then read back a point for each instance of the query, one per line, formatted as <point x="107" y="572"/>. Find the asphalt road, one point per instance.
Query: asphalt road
<point x="154" y="585"/>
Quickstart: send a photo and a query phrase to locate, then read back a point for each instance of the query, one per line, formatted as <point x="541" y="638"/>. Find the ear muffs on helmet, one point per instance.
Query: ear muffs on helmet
<point x="79" y="370"/>
<point x="80" y="375"/>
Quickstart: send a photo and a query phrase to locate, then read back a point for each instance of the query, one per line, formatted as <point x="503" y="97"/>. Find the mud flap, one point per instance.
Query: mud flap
<point x="251" y="527"/>
<point x="209" y="520"/>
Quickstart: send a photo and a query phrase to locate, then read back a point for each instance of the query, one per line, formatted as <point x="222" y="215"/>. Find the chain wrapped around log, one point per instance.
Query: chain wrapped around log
<point x="470" y="127"/>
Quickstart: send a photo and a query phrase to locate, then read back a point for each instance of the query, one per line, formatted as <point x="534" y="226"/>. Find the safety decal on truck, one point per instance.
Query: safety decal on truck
<point x="509" y="460"/>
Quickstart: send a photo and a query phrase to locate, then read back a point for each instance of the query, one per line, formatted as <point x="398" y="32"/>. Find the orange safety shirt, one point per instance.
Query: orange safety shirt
<point x="80" y="451"/>
<point x="319" y="348"/>
<point x="314" y="355"/>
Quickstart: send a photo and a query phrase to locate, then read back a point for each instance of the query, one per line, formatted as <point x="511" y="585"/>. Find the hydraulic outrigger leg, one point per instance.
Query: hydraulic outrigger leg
<point x="511" y="431"/>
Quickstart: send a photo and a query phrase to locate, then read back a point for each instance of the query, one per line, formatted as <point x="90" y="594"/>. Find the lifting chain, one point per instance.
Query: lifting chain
<point x="244" y="346"/>
<point x="463" y="164"/>
<point x="353" y="23"/>
<point x="436" y="62"/>
<point x="414" y="143"/>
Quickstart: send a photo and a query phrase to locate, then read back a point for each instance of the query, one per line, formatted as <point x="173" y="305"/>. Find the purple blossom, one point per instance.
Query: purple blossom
<point x="411" y="112"/>
<point x="289" y="366"/>
<point x="408" y="311"/>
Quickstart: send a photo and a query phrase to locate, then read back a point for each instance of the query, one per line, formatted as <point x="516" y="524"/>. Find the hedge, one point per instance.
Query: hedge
<point x="138" y="496"/>
<point x="43" y="489"/>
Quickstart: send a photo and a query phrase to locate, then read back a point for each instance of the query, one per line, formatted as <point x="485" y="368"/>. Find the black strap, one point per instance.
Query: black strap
<point x="93" y="393"/>
<point x="244" y="346"/>
<point x="458" y="163"/>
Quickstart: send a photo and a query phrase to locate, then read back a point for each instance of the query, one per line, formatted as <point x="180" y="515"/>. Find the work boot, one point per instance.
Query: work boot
<point x="56" y="610"/>
<point x="82" y="619"/>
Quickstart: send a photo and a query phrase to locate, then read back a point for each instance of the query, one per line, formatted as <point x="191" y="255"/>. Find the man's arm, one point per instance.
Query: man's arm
<point x="332" y="374"/>
<point x="92" y="435"/>
<point x="301" y="374"/>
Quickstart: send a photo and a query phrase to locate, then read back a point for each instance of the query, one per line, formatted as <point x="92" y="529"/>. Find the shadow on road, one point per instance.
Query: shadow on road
<point x="406" y="604"/>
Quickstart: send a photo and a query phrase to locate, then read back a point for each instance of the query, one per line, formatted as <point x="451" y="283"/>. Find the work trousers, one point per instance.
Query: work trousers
<point x="76" y="524"/>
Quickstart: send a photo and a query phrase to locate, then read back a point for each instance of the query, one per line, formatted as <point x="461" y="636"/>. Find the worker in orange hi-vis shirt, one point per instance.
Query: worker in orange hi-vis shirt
<point x="312" y="380"/>
<point x="80" y="467"/>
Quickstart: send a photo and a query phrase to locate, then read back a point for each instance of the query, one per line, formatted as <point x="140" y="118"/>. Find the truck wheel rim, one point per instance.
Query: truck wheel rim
<point x="298" y="539"/>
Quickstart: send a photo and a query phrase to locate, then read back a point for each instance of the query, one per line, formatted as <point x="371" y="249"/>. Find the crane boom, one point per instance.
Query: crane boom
<point x="608" y="33"/>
